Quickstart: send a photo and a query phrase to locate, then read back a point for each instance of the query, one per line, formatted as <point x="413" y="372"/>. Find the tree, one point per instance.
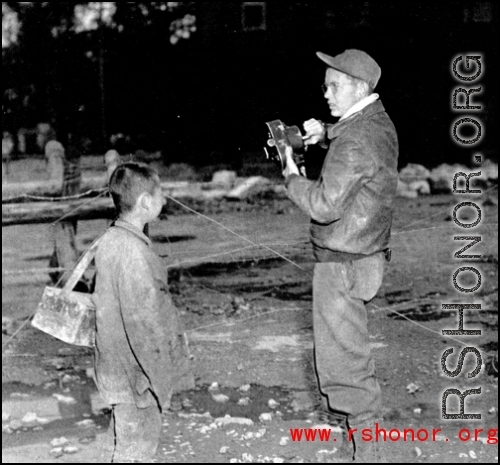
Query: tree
<point x="54" y="54"/>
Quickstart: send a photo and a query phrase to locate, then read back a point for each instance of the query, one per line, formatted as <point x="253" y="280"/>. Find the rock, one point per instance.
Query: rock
<point x="7" y="429"/>
<point x="15" y="425"/>
<point x="284" y="441"/>
<point x="333" y="429"/>
<point x="441" y="178"/>
<point x="5" y="417"/>
<point x="245" y="388"/>
<point x="59" y="442"/>
<point x="71" y="450"/>
<point x="86" y="424"/>
<point x="278" y="460"/>
<point x="418" y="452"/>
<point x="266" y="417"/>
<point x="403" y="190"/>
<point x="220" y="398"/>
<point x="417" y="411"/>
<point x="229" y="420"/>
<point x="64" y="399"/>
<point x="57" y="452"/>
<point x="224" y="450"/>
<point x="225" y="179"/>
<point x="248" y="187"/>
<point x="30" y="418"/>
<point x="214" y="387"/>
<point x="489" y="170"/>
<point x="421" y="187"/>
<point x="412" y="388"/>
<point x="272" y="404"/>
<point x="472" y="455"/>
<point x="247" y="458"/>
<point x="413" y="172"/>
<point x="244" y="401"/>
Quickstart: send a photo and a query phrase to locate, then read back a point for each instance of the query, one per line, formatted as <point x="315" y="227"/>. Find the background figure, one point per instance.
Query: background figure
<point x="111" y="160"/>
<point x="66" y="253"/>
<point x="7" y="149"/>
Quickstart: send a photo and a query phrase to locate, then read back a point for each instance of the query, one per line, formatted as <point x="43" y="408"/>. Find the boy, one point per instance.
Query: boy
<point x="140" y="349"/>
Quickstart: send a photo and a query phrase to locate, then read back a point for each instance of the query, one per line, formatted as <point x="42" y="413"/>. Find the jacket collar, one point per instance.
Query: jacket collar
<point x="336" y="129"/>
<point x="131" y="228"/>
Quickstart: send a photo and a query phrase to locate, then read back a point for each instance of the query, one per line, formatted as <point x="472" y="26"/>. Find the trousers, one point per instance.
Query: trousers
<point x="133" y="434"/>
<point x="345" y="366"/>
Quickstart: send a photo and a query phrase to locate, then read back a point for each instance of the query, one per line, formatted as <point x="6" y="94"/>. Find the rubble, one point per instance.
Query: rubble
<point x="248" y="187"/>
<point x="220" y="398"/>
<point x="272" y="404"/>
<point x="225" y="179"/>
<point x="403" y="190"/>
<point x="229" y="420"/>
<point x="266" y="417"/>
<point x="412" y="388"/>
<point x="414" y="173"/>
<point x="59" y="442"/>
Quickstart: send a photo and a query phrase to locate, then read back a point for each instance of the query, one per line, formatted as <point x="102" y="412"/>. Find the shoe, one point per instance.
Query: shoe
<point x="344" y="449"/>
<point x="367" y="451"/>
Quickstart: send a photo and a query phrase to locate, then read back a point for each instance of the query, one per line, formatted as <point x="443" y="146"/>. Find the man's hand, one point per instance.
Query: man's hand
<point x="315" y="132"/>
<point x="291" y="167"/>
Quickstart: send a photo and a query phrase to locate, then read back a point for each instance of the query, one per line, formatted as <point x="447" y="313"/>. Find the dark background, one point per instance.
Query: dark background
<point x="206" y="99"/>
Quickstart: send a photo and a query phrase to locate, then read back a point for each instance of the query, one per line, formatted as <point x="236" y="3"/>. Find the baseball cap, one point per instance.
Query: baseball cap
<point x="355" y="63"/>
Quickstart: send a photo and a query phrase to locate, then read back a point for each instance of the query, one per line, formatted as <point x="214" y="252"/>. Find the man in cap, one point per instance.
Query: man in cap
<point x="351" y="207"/>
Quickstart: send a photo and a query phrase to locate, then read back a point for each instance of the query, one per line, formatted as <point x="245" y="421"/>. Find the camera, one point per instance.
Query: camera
<point x="282" y="136"/>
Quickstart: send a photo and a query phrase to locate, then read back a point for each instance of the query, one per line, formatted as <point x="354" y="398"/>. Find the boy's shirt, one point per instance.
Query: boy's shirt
<point x="140" y="348"/>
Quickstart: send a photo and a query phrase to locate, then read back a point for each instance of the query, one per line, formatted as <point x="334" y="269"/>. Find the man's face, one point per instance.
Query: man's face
<point x="342" y="92"/>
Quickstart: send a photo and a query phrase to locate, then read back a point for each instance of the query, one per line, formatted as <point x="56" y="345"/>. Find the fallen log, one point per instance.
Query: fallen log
<point x="49" y="212"/>
<point x="48" y="188"/>
<point x="101" y="208"/>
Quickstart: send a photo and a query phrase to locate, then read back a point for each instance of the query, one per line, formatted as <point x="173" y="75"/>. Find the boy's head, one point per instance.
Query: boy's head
<point x="135" y="188"/>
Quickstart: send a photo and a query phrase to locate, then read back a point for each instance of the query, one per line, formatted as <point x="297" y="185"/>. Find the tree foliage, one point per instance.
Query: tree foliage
<point x="47" y="48"/>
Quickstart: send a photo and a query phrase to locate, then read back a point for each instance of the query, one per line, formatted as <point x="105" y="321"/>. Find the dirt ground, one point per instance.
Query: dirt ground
<point x="248" y="315"/>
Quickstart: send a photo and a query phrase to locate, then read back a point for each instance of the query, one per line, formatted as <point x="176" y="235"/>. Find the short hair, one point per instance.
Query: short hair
<point x="129" y="181"/>
<point x="363" y="86"/>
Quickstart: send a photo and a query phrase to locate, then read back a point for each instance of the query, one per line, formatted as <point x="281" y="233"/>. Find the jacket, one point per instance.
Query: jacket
<point x="140" y="350"/>
<point x="351" y="204"/>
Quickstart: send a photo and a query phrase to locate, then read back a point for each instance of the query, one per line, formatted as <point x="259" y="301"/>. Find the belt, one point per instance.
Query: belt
<point x="327" y="256"/>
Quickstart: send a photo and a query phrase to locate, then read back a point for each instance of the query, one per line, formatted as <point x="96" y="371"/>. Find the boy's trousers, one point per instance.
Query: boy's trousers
<point x="344" y="363"/>
<point x="133" y="434"/>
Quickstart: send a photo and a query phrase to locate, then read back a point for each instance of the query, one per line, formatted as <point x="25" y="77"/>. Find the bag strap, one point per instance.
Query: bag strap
<point x="81" y="267"/>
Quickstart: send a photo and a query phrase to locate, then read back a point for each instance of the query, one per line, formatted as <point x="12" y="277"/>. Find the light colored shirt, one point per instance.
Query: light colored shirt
<point x="359" y="106"/>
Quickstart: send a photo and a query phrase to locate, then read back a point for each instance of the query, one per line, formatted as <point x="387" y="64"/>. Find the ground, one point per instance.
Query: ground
<point x="248" y="315"/>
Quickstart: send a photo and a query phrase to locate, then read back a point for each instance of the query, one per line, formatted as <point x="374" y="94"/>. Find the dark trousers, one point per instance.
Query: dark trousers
<point x="133" y="434"/>
<point x="344" y="363"/>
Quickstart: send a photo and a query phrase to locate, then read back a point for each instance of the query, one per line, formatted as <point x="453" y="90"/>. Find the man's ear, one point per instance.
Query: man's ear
<point x="145" y="200"/>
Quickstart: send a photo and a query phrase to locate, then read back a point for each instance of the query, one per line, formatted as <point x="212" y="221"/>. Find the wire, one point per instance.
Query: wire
<point x="235" y="233"/>
<point x="53" y="199"/>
